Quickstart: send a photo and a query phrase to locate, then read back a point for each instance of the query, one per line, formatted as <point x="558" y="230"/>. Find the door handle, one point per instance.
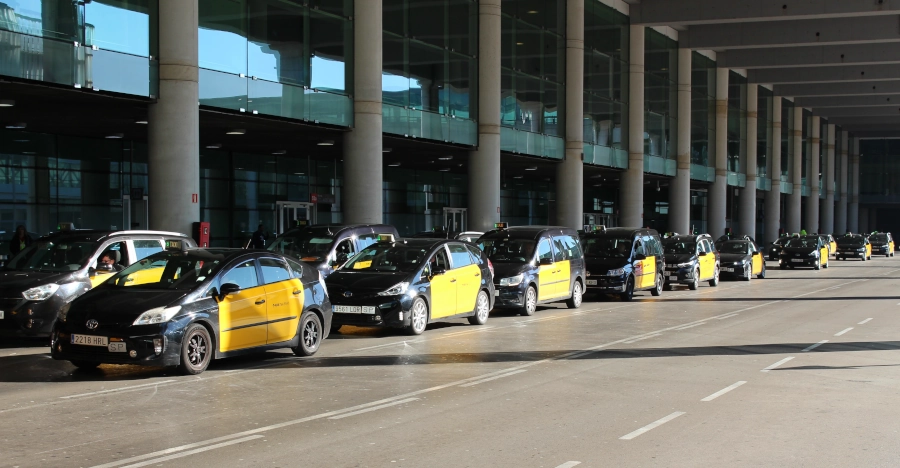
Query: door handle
<point x="477" y="274"/>
<point x="453" y="280"/>
<point x="297" y="292"/>
<point x="261" y="302"/>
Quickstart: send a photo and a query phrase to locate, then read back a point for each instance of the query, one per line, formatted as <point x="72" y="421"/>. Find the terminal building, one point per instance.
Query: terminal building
<point x="678" y="115"/>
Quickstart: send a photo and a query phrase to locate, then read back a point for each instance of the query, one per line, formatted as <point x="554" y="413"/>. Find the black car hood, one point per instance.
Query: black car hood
<point x="679" y="258"/>
<point x="799" y="250"/>
<point x="120" y="306"/>
<point x="13" y="282"/>
<point x="733" y="257"/>
<point x="347" y="280"/>
<point x="600" y="265"/>
<point x="508" y="270"/>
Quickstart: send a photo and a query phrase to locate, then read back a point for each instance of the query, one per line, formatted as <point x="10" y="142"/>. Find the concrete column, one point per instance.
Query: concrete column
<point x="840" y="219"/>
<point x="632" y="189"/>
<point x="747" y="209"/>
<point x="853" y="209"/>
<point x="570" y="172"/>
<point x="864" y="220"/>
<point x="680" y="188"/>
<point x="812" y="201"/>
<point x="363" y="171"/>
<point x="173" y="133"/>
<point x="773" y="196"/>
<point x="826" y="223"/>
<point x="484" y="162"/>
<point x="792" y="209"/>
<point x="719" y="189"/>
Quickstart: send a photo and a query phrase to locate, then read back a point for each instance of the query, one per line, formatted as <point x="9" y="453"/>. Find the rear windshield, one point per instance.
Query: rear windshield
<point x="850" y="241"/>
<point x="676" y="247"/>
<point x="508" y="250"/>
<point x="57" y="255"/>
<point x="735" y="247"/>
<point x="607" y="247"/>
<point x="308" y="246"/>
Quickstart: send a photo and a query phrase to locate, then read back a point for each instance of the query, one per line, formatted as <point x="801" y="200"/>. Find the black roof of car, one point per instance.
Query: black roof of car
<point x="95" y="235"/>
<point x="533" y="231"/>
<point x="686" y="237"/>
<point x="622" y="231"/>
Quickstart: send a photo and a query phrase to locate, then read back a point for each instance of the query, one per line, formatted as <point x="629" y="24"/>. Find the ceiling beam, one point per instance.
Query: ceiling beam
<point x="812" y="56"/>
<point x="826" y="102"/>
<point x="836" y="112"/>
<point x="888" y="72"/>
<point x="863" y="88"/>
<point x="690" y="12"/>
<point x="869" y="123"/>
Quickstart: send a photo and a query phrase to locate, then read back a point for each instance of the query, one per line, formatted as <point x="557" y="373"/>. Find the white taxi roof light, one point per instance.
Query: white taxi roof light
<point x="385" y="238"/>
<point x="600" y="228"/>
<point x="501" y="225"/>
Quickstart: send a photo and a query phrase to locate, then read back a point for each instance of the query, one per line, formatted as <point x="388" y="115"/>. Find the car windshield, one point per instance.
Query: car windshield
<point x="735" y="248"/>
<point x="802" y="243"/>
<point x="851" y="241"/>
<point x="169" y="270"/>
<point x="387" y="257"/>
<point x="508" y="250"/>
<point x="607" y="246"/>
<point x="54" y="255"/>
<point x="780" y="241"/>
<point x="308" y="246"/>
<point x="677" y="247"/>
<point x="880" y="238"/>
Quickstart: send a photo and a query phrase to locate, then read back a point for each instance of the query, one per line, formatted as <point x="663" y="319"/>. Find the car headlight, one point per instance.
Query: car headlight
<point x="616" y="272"/>
<point x="683" y="265"/>
<point x="157" y="315"/>
<point x="64" y="311"/>
<point x="813" y="254"/>
<point x="512" y="281"/>
<point x="41" y="293"/>
<point x="395" y="290"/>
<point x="861" y="249"/>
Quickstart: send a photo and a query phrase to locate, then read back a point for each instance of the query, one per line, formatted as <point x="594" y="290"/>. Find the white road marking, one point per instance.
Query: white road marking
<point x="100" y="392"/>
<point x="651" y="426"/>
<point x="192" y="452"/>
<point x="643" y="338"/>
<point x="864" y="321"/>
<point x="569" y="464"/>
<point x="727" y="316"/>
<point x="691" y="326"/>
<point x="814" y="346"/>
<point x="843" y="331"/>
<point x="374" y="408"/>
<point x="767" y="369"/>
<point x="492" y="378"/>
<point x="724" y="391"/>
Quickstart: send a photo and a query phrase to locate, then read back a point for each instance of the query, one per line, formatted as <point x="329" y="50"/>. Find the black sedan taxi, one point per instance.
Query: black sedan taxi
<point x="853" y="246"/>
<point x="624" y="260"/>
<point x="185" y="308"/>
<point x="882" y="243"/>
<point x="773" y="250"/>
<point x="409" y="283"/>
<point x="741" y="258"/>
<point x="804" y="251"/>
<point x="690" y="260"/>
<point x="328" y="247"/>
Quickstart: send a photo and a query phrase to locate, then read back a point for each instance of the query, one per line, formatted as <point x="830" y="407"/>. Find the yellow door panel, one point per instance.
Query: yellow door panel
<point x="443" y="294"/>
<point x="706" y="268"/>
<point x="242" y="322"/>
<point x="546" y="278"/>
<point x="563" y="278"/>
<point x="468" y="284"/>
<point x="100" y="277"/>
<point x="149" y="275"/>
<point x="868" y="250"/>
<point x="649" y="272"/>
<point x="757" y="264"/>
<point x="823" y="255"/>
<point x="283" y="309"/>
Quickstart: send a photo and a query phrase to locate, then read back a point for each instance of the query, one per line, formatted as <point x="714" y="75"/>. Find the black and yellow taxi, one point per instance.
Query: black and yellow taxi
<point x="328" y="247"/>
<point x="57" y="268"/>
<point x="535" y="265"/>
<point x="186" y="308"/>
<point x="691" y="259"/>
<point x="773" y="250"/>
<point x="809" y="250"/>
<point x="623" y="260"/>
<point x="741" y="258"/>
<point x="854" y="246"/>
<point x="882" y="243"/>
<point x="832" y="243"/>
<point x="409" y="283"/>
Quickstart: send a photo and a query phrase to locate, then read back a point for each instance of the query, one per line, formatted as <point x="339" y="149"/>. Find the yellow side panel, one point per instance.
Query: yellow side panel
<point x="757" y="265"/>
<point x="707" y="266"/>
<point x="101" y="277"/>
<point x="546" y="277"/>
<point x="151" y="275"/>
<point x="240" y="310"/>
<point x="468" y="284"/>
<point x="282" y="304"/>
<point x="823" y="254"/>
<point x="564" y="276"/>
<point x="443" y="295"/>
<point x="869" y="250"/>
<point x="649" y="272"/>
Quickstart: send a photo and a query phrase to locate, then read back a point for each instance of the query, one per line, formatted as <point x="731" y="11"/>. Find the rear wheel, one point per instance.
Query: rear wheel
<point x="85" y="365"/>
<point x="696" y="283"/>
<point x="530" y="302"/>
<point x="657" y="291"/>
<point x="715" y="281"/>
<point x="628" y="294"/>
<point x="818" y="264"/>
<point x="482" y="309"/>
<point x="196" y="350"/>
<point x="310" y="335"/>
<point x="574" y="302"/>
<point x="418" y="317"/>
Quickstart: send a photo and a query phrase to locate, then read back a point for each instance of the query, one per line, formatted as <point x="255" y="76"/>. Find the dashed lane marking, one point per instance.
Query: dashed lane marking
<point x="651" y="426"/>
<point x="843" y="331"/>
<point x="724" y="390"/>
<point x="767" y="369"/>
<point x="814" y="346"/>
<point x="864" y="321"/>
<point x="192" y="452"/>
<point x="374" y="408"/>
<point x="569" y="464"/>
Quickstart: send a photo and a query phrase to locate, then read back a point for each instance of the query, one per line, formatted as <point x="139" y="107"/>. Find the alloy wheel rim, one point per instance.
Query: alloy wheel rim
<point x="418" y="317"/>
<point x="530" y="301"/>
<point x="576" y="295"/>
<point x="196" y="349"/>
<point x="311" y="335"/>
<point x="482" y="306"/>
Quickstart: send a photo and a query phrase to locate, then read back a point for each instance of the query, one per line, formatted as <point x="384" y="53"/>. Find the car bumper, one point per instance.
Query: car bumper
<point x="389" y="312"/>
<point x="679" y="276"/>
<point x="605" y="285"/>
<point x="850" y="254"/>
<point x="139" y="345"/>
<point x="798" y="261"/>
<point x="28" y="318"/>
<point x="509" y="297"/>
<point x="733" y="271"/>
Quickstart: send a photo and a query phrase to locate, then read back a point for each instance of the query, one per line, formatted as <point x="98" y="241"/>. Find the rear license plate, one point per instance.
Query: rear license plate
<point x="89" y="340"/>
<point x="673" y="278"/>
<point x="1" y="315"/>
<point x="591" y="282"/>
<point x="354" y="309"/>
<point x="116" y="347"/>
<point x="728" y="270"/>
<point x="496" y="292"/>
<point x="797" y="260"/>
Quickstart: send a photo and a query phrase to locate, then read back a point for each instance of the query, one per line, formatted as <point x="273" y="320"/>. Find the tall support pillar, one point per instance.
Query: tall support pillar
<point x="173" y="133"/>
<point x="747" y="208"/>
<point x="363" y="169"/>
<point x="840" y="219"/>
<point x="853" y="209"/>
<point x="484" y="162"/>
<point x="570" y="172"/>
<point x="680" y="188"/>
<point x="826" y="222"/>
<point x="812" y="201"/>
<point x="773" y="196"/>
<point x="864" y="218"/>
<point x="632" y="188"/>
<point x="792" y="210"/>
<point x="718" y="191"/>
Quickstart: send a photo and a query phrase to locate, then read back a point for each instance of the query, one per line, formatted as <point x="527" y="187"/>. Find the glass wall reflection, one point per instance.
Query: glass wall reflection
<point x="703" y="115"/>
<point x="605" y="77"/>
<point x="661" y="97"/>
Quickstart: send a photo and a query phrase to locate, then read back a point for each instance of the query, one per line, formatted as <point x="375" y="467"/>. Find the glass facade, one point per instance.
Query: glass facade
<point x="737" y="129"/>
<point x="787" y="149"/>
<point x="764" y="138"/>
<point x="879" y="171"/>
<point x="660" y="103"/>
<point x="282" y="58"/>
<point x="533" y="52"/>
<point x="430" y="69"/>
<point x="524" y="202"/>
<point x="703" y="117"/>
<point x="414" y="200"/>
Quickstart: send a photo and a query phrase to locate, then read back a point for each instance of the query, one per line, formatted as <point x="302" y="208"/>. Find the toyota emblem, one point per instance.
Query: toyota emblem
<point x="347" y="293"/>
<point x="92" y="324"/>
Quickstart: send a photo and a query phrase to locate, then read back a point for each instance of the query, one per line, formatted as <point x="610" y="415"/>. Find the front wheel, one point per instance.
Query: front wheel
<point x="762" y="274"/>
<point x="817" y="265"/>
<point x="418" y="317"/>
<point x="530" y="301"/>
<point x="748" y="273"/>
<point x="628" y="294"/>
<point x="657" y="291"/>
<point x="482" y="309"/>
<point x="310" y="335"/>
<point x="696" y="283"/>
<point x="574" y="302"/>
<point x="196" y="350"/>
<point x="715" y="281"/>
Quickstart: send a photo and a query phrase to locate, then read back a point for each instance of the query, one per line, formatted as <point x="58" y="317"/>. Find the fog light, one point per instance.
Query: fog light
<point x="29" y="323"/>
<point x="400" y="315"/>
<point x="132" y="353"/>
<point x="377" y="317"/>
<point x="158" y="346"/>
<point x="30" y="312"/>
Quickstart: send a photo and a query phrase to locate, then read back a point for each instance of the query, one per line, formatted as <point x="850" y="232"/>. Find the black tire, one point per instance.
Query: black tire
<point x="762" y="274"/>
<point x="530" y="306"/>
<point x="748" y="273"/>
<point x="696" y="284"/>
<point x="817" y="265"/>
<point x="783" y="267"/>
<point x="482" y="309"/>
<point x="715" y="281"/>
<point x="826" y="264"/>
<point x="85" y="365"/>
<point x="418" y="317"/>
<point x="574" y="302"/>
<point x="196" y="350"/>
<point x="310" y="331"/>
<point x="628" y="294"/>
<point x="657" y="291"/>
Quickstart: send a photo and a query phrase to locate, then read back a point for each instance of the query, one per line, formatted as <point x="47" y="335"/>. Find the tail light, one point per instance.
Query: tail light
<point x="491" y="267"/>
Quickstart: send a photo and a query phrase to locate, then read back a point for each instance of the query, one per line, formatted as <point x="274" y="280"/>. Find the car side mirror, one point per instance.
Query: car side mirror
<point x="701" y="254"/>
<point x="438" y="271"/>
<point x="228" y="288"/>
<point x="639" y="257"/>
<point x="546" y="261"/>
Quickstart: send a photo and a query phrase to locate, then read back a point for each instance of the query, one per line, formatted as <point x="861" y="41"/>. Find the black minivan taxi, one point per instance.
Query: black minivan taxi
<point x="535" y="265"/>
<point x="623" y="260"/>
<point x="328" y="247"/>
<point x="691" y="259"/>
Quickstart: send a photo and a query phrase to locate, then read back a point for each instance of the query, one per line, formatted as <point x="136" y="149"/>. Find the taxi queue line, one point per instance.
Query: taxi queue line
<point x="183" y="306"/>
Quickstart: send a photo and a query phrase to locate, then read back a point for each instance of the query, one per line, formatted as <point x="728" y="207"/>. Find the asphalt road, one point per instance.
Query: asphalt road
<point x="799" y="369"/>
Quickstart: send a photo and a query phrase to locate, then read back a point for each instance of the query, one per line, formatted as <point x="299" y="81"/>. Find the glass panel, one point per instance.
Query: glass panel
<point x="119" y="25"/>
<point x="223" y="35"/>
<point x="119" y="73"/>
<point x="327" y="39"/>
<point x="223" y="90"/>
<point x="275" y="48"/>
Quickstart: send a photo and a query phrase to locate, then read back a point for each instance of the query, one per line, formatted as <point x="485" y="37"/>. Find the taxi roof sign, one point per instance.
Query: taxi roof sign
<point x="600" y="228"/>
<point x="385" y="238"/>
<point x="501" y="225"/>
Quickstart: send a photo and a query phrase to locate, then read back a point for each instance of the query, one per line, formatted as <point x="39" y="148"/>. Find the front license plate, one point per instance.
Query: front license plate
<point x="728" y="270"/>
<point x="89" y="340"/>
<point x="797" y="260"/>
<point x="673" y="278"/>
<point x="591" y="282"/>
<point x="354" y="309"/>
<point x="496" y="292"/>
<point x="116" y="347"/>
<point x="1" y="315"/>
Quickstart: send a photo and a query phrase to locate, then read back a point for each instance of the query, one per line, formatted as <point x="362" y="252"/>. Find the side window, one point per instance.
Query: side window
<point x="118" y="251"/>
<point x="544" y="251"/>
<point x="344" y="250"/>
<point x="296" y="268"/>
<point x="657" y="246"/>
<point x="573" y="246"/>
<point x="639" y="248"/>
<point x="274" y="270"/>
<point x="459" y="255"/>
<point x="438" y="261"/>
<point x="146" y="247"/>
<point x="243" y="275"/>
<point x="559" y="250"/>
<point x="366" y="240"/>
<point x="476" y="254"/>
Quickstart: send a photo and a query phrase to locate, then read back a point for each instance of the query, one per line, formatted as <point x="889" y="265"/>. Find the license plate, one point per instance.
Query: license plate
<point x="728" y="270"/>
<point x="1" y="315"/>
<point x="673" y="278"/>
<point x="89" y="340"/>
<point x="116" y="347"/>
<point x="797" y="260"/>
<point x="496" y="292"/>
<point x="591" y="282"/>
<point x="354" y="309"/>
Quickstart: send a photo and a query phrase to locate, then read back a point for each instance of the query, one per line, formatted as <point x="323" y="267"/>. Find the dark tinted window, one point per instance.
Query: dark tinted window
<point x="296" y="268"/>
<point x="571" y="247"/>
<point x="274" y="270"/>
<point x="476" y="254"/>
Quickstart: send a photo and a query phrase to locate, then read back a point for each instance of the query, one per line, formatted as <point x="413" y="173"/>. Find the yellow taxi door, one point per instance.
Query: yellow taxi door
<point x="823" y="254"/>
<point x="546" y="273"/>
<point x="563" y="272"/>
<point x="705" y="260"/>
<point x="868" y="250"/>
<point x="242" y="315"/>
<point x="284" y="300"/>
<point x="443" y="285"/>
<point x="756" y="263"/>
<point x="100" y="277"/>
<point x="468" y="278"/>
